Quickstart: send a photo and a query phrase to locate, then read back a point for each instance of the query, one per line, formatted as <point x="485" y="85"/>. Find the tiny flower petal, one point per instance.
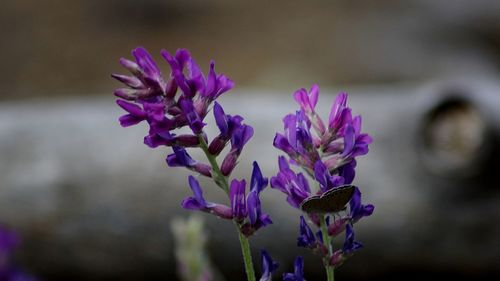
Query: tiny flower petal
<point x="268" y="266"/>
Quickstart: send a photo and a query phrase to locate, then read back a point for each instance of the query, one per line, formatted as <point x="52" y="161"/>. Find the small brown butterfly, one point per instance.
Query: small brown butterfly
<point x="332" y="201"/>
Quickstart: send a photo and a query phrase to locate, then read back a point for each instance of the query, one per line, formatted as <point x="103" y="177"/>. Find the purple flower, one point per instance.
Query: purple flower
<point x="350" y="245"/>
<point x="295" y="186"/>
<point x="227" y="124"/>
<point x="298" y="274"/>
<point x="198" y="202"/>
<point x="358" y="210"/>
<point x="135" y="114"/>
<point x="306" y="237"/>
<point x="297" y="140"/>
<point x="146" y="81"/>
<point x="268" y="266"/>
<point x="237" y="198"/>
<point x="256" y="217"/>
<point x="307" y="101"/>
<point x="258" y="181"/>
<point x="339" y="113"/>
<point x="180" y="158"/>
<point x="326" y="181"/>
<point x="240" y="137"/>
<point x="247" y="211"/>
<point x="191" y="83"/>
<point x="216" y="84"/>
<point x="191" y="115"/>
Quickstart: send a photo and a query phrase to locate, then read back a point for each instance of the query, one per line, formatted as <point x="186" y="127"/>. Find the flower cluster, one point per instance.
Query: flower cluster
<point x="9" y="241"/>
<point x="245" y="209"/>
<point x="175" y="108"/>
<point x="183" y="100"/>
<point x="327" y="153"/>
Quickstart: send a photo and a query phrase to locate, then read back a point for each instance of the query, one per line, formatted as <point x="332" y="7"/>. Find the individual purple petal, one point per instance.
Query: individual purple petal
<point x="307" y="101"/>
<point x="258" y="181"/>
<point x="298" y="274"/>
<point x="146" y="62"/>
<point x="131" y="66"/>
<point x="237" y="198"/>
<point x="130" y="81"/>
<point x="306" y="236"/>
<point x="194" y="120"/>
<point x="221" y="119"/>
<point x="132" y="108"/>
<point x="347" y="171"/>
<point x="268" y="266"/>
<point x="326" y="181"/>
<point x="350" y="244"/>
<point x="349" y="140"/>
<point x="338" y="108"/>
<point x="241" y="136"/>
<point x="135" y="116"/>
<point x="180" y="157"/>
<point x="253" y="206"/>
<point x="358" y="210"/>
<point x="282" y="143"/>
<point x="197" y="202"/>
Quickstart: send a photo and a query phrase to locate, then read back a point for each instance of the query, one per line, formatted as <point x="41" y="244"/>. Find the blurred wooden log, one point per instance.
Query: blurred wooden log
<point x="92" y="202"/>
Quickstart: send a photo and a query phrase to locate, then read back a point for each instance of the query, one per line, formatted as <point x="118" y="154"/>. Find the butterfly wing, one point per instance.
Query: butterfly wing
<point x="311" y="204"/>
<point x="335" y="200"/>
<point x="332" y="201"/>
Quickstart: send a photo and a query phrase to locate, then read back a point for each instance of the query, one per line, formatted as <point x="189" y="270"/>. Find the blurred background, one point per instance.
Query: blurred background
<point x="91" y="202"/>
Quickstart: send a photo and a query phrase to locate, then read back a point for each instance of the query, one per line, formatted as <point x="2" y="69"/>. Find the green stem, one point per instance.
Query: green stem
<point x="217" y="175"/>
<point x="221" y="181"/>
<point x="328" y="243"/>
<point x="247" y="257"/>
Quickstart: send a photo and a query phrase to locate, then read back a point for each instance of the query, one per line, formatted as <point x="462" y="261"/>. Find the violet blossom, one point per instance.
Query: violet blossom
<point x="298" y="272"/>
<point x="268" y="265"/>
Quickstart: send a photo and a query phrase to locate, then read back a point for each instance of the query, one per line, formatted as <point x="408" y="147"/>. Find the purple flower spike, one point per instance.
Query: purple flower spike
<point x="298" y="274"/>
<point x="237" y="198"/>
<point x="350" y="245"/>
<point x="293" y="185"/>
<point x="306" y="237"/>
<point x="268" y="266"/>
<point x="198" y="202"/>
<point x="180" y="158"/>
<point x="358" y="210"/>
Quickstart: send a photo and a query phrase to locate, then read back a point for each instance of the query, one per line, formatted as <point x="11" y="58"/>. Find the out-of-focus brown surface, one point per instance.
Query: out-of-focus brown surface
<point x="68" y="177"/>
<point x="57" y="47"/>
